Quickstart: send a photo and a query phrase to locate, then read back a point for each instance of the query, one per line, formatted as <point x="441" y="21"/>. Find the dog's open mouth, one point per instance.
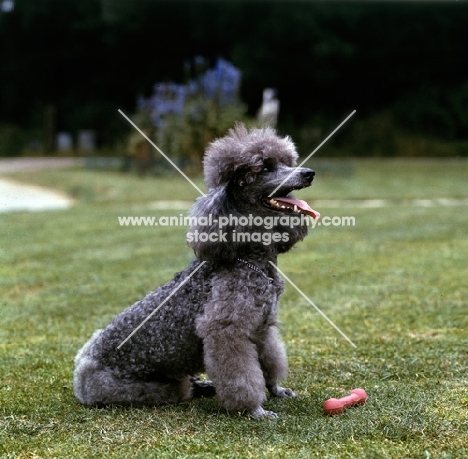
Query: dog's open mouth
<point x="290" y="204"/>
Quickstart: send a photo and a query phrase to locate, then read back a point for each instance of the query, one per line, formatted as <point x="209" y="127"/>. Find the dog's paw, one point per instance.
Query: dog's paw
<point x="281" y="392"/>
<point x="260" y="413"/>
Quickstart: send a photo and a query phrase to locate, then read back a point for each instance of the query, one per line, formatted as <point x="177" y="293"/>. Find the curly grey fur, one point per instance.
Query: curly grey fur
<point x="223" y="320"/>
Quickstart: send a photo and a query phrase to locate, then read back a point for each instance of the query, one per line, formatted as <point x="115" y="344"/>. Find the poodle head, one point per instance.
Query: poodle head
<point x="250" y="175"/>
<point x="243" y="152"/>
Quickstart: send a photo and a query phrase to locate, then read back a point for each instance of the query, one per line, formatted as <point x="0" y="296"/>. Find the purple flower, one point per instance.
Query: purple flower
<point x="220" y="83"/>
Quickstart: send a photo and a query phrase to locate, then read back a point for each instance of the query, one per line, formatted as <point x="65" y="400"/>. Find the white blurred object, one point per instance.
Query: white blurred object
<point x="86" y="140"/>
<point x="268" y="113"/>
<point x="7" y="6"/>
<point x="64" y="141"/>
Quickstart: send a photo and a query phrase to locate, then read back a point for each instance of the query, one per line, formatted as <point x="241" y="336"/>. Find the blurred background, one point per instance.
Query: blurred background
<point x="184" y="71"/>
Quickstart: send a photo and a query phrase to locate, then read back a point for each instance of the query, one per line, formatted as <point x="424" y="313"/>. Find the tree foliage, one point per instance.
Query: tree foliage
<point x="89" y="58"/>
<point x="183" y="119"/>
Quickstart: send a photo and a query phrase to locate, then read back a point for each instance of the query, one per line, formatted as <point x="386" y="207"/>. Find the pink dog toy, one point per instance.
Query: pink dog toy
<point x="338" y="405"/>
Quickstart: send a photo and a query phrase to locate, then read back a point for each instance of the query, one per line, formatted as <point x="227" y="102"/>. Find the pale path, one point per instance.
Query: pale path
<point x="348" y="203"/>
<point x="398" y="202"/>
<point x="15" y="196"/>
<point x="8" y="165"/>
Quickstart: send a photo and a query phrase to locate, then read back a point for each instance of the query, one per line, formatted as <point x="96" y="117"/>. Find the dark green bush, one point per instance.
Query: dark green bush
<point x="12" y="140"/>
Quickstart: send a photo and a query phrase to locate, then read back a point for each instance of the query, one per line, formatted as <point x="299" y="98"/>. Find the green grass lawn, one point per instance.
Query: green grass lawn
<point x="395" y="283"/>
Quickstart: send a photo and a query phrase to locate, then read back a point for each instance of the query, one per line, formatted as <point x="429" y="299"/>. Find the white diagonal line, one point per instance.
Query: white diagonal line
<point x="300" y="165"/>
<point x="160" y="151"/>
<point x="313" y="304"/>
<point x="167" y="299"/>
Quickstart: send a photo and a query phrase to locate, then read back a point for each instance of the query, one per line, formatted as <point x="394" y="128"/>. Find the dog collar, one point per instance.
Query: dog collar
<point x="256" y="269"/>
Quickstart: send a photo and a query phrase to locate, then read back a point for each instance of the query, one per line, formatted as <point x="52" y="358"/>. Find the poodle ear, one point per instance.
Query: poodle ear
<point x="209" y="239"/>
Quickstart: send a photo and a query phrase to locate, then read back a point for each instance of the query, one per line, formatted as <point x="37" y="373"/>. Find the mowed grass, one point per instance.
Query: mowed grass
<point x="395" y="283"/>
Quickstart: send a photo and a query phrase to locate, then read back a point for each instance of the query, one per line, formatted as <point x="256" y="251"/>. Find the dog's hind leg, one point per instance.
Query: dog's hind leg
<point x="274" y="363"/>
<point x="97" y="386"/>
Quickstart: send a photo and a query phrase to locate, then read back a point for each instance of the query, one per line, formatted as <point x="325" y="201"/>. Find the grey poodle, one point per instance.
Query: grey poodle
<point x="219" y="315"/>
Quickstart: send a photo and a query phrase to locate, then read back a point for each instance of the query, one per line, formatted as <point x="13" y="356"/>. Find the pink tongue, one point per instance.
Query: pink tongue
<point x="291" y="202"/>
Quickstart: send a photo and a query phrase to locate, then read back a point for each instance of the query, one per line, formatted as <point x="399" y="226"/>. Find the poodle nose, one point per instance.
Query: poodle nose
<point x="308" y="174"/>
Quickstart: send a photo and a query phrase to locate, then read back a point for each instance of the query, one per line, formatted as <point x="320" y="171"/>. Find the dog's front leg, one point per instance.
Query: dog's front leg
<point x="228" y="328"/>
<point x="231" y="362"/>
<point x="274" y="363"/>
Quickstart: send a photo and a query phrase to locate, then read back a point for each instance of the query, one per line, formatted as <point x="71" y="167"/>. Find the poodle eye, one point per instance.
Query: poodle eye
<point x="268" y="166"/>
